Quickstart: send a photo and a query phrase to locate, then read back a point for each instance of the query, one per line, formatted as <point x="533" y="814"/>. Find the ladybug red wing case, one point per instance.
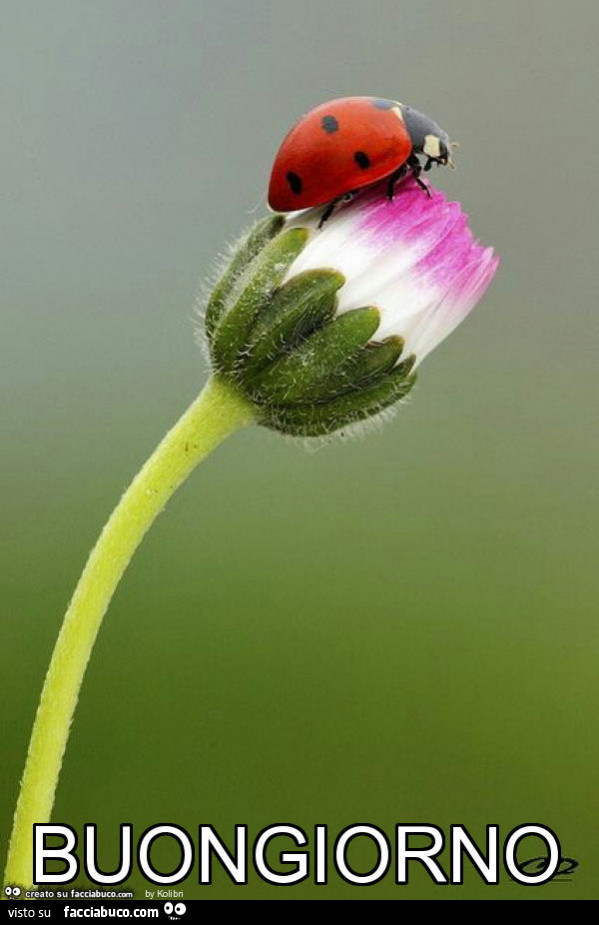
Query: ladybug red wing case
<point x="337" y="148"/>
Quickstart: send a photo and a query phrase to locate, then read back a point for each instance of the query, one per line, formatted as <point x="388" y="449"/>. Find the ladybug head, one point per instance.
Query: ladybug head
<point x="427" y="137"/>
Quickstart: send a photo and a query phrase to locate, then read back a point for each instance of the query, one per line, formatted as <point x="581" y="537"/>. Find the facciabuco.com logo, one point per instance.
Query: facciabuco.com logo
<point x="15" y="892"/>
<point x="105" y="912"/>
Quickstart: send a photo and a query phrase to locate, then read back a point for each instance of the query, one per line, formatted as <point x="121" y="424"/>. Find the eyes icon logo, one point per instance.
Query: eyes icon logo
<point x="12" y="890"/>
<point x="175" y="912"/>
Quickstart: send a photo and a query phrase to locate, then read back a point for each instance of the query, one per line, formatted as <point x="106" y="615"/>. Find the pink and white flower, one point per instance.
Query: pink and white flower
<point x="413" y="258"/>
<point x="321" y="327"/>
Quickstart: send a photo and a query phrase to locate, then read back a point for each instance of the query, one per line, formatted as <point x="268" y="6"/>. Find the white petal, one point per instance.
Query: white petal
<point x="414" y="258"/>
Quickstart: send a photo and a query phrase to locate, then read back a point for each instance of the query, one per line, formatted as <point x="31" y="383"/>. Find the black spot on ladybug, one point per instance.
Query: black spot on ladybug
<point x="384" y="104"/>
<point x="330" y="124"/>
<point x="295" y="182"/>
<point x="362" y="160"/>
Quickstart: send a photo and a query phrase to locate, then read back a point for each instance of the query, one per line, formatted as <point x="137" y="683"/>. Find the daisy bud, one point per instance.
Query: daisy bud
<point x="321" y="328"/>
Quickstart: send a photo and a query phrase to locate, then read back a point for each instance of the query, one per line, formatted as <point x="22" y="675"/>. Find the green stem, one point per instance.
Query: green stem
<point x="217" y="412"/>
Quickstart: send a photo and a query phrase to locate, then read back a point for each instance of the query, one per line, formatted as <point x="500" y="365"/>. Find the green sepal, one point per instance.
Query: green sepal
<point x="303" y="375"/>
<point x="249" y="295"/>
<point x="297" y="310"/>
<point x="369" y="364"/>
<point x="249" y="248"/>
<point x="324" y="418"/>
<point x="375" y="360"/>
<point x="406" y="366"/>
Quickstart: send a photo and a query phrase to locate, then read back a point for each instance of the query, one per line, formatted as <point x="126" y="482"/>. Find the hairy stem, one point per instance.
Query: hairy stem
<point x="216" y="413"/>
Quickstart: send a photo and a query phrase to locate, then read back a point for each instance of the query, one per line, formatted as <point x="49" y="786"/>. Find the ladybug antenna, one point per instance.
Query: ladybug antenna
<point x="452" y="145"/>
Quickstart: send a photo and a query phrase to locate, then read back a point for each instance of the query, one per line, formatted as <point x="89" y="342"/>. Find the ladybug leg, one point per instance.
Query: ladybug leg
<point x="439" y="161"/>
<point x="395" y="178"/>
<point x="329" y="211"/>
<point x="347" y="197"/>
<point x="416" y="168"/>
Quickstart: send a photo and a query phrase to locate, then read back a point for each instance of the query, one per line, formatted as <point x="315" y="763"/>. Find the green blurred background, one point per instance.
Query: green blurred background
<point x="399" y="629"/>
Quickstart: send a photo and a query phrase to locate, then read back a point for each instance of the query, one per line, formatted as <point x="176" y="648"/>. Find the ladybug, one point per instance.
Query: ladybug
<point x="346" y="144"/>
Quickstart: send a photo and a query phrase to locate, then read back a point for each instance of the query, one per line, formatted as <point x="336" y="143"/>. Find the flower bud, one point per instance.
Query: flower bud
<point x="321" y="328"/>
